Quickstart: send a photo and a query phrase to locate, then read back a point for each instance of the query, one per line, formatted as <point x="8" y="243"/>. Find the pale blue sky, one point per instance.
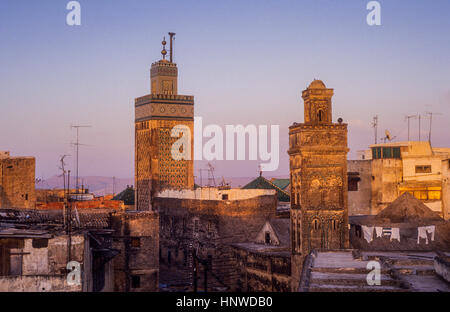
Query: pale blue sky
<point x="244" y="61"/>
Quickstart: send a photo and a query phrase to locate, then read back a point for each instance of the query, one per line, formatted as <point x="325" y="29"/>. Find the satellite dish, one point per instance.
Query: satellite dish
<point x="388" y="135"/>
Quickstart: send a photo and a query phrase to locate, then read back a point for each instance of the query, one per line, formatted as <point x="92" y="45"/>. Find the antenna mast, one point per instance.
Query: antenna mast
<point x="77" y="144"/>
<point x="431" y="120"/>
<point x="171" y="34"/>
<point x="408" y="118"/>
<point x="375" y="126"/>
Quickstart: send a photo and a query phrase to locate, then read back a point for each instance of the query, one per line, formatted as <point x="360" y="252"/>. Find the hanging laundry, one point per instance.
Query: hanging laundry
<point x="379" y="231"/>
<point x="368" y="233"/>
<point x="423" y="232"/>
<point x="395" y="234"/>
<point x="387" y="232"/>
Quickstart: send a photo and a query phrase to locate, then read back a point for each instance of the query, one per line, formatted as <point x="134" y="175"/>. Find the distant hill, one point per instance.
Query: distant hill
<point x="96" y="185"/>
<point x="104" y="185"/>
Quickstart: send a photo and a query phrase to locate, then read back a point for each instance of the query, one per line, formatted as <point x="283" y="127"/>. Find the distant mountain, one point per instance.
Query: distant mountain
<point x="104" y="185"/>
<point x="236" y="182"/>
<point x="96" y="185"/>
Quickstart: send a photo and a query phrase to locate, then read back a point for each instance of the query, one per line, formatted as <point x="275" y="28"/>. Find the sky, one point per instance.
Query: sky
<point x="246" y="62"/>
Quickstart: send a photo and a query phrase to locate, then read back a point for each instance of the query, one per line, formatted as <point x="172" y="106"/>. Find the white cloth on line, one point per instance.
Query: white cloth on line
<point x="395" y="234"/>
<point x="368" y="233"/>
<point x="423" y="231"/>
<point x="379" y="231"/>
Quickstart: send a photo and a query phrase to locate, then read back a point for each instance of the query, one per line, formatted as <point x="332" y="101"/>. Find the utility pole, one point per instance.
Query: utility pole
<point x="375" y="127"/>
<point x="194" y="269"/>
<point x="408" y="118"/>
<point x="77" y="144"/>
<point x="63" y="164"/>
<point x="419" y="126"/>
<point x="114" y="186"/>
<point x="69" y="223"/>
<point x="431" y="120"/>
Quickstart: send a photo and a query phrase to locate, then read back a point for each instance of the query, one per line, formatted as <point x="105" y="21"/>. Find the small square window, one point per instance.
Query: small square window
<point x="423" y="169"/>
<point x="136" y="242"/>
<point x="135" y="281"/>
<point x="267" y="238"/>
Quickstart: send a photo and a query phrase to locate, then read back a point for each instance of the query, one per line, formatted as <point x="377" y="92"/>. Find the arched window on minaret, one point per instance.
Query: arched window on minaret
<point x="321" y="116"/>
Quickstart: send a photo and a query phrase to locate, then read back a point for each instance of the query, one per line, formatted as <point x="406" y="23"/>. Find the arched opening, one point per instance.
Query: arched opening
<point x="315" y="224"/>
<point x="321" y="115"/>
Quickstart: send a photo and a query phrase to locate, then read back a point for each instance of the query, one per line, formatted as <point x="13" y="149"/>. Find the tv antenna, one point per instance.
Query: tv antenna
<point x="77" y="146"/>
<point x="431" y="120"/>
<point x="408" y="119"/>
<point x="375" y="127"/>
<point x="172" y="38"/>
<point x="211" y="178"/>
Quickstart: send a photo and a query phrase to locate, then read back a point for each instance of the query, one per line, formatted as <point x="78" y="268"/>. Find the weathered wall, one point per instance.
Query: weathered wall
<point x="387" y="173"/>
<point x="44" y="268"/>
<point x="261" y="272"/>
<point x="137" y="238"/>
<point x="207" y="226"/>
<point x="442" y="267"/>
<point x="446" y="189"/>
<point x="212" y="193"/>
<point x="17" y="182"/>
<point x="359" y="201"/>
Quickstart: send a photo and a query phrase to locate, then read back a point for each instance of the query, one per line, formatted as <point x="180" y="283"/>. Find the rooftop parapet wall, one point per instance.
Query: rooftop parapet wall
<point x="216" y="194"/>
<point x="259" y="206"/>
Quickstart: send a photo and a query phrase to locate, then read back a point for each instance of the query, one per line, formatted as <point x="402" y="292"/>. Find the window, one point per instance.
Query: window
<point x="224" y="196"/>
<point x="334" y="225"/>
<point x="353" y="184"/>
<point x="423" y="169"/>
<point x="135" y="281"/>
<point x="209" y="228"/>
<point x="321" y="115"/>
<point x="39" y="242"/>
<point x="386" y="152"/>
<point x="11" y="257"/>
<point x="315" y="224"/>
<point x="267" y="238"/>
<point x="196" y="226"/>
<point x="135" y="242"/>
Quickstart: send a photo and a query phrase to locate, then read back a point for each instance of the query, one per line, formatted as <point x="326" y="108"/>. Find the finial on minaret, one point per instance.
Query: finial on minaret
<point x="164" y="52"/>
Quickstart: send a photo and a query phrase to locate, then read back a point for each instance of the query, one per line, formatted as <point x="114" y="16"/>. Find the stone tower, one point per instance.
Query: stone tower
<point x="318" y="172"/>
<point x="156" y="115"/>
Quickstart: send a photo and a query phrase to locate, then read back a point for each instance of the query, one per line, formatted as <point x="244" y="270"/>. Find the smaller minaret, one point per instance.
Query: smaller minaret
<point x="164" y="74"/>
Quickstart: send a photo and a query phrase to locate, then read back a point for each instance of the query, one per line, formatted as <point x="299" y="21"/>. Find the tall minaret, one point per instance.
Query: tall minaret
<point x="156" y="115"/>
<point x="318" y="172"/>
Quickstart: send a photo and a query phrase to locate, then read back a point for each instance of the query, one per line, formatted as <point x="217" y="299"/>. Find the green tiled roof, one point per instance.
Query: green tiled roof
<point x="127" y="195"/>
<point x="262" y="183"/>
<point x="281" y="183"/>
